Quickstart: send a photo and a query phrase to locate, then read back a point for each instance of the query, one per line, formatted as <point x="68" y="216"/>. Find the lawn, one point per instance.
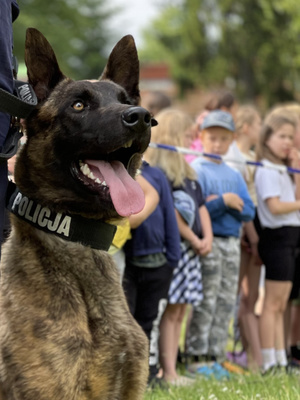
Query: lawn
<point x="252" y="387"/>
<point x="239" y="387"/>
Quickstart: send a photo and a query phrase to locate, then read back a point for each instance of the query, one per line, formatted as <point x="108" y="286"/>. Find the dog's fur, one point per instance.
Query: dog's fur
<point x="65" y="329"/>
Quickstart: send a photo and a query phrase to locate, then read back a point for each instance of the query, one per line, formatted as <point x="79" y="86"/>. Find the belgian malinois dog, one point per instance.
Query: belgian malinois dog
<point x="66" y="332"/>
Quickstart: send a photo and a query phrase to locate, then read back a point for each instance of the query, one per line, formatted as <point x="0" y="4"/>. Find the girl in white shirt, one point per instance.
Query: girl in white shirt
<point x="278" y="196"/>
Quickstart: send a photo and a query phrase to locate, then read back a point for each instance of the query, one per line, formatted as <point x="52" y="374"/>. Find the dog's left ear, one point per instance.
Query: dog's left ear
<point x="42" y="66"/>
<point x="123" y="67"/>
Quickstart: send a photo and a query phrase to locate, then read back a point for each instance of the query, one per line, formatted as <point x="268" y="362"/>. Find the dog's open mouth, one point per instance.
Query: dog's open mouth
<point x="112" y="176"/>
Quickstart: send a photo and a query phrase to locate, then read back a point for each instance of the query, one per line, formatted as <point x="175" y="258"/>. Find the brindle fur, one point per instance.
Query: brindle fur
<point x="66" y="332"/>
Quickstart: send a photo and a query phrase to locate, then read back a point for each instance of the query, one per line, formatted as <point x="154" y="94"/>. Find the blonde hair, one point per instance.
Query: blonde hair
<point x="172" y="125"/>
<point x="272" y="123"/>
<point x="292" y="106"/>
<point x="245" y="115"/>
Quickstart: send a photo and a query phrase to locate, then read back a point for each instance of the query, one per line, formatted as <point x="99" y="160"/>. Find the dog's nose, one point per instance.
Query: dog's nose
<point x="136" y="118"/>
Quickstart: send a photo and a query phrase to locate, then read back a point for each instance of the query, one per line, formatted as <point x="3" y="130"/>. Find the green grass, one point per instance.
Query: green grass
<point x="253" y="387"/>
<point x="239" y="387"/>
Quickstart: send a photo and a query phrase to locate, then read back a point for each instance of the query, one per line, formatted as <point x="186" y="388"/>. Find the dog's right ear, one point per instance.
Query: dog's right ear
<point x="123" y="68"/>
<point x="42" y="66"/>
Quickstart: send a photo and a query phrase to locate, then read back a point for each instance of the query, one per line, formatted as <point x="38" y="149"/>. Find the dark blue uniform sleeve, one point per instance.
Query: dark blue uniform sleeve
<point x="8" y="13"/>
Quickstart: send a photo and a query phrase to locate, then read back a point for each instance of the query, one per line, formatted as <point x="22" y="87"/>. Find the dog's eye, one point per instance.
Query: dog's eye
<point x="78" y="106"/>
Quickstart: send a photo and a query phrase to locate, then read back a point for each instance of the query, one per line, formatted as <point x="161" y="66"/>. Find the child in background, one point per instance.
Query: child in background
<point x="219" y="100"/>
<point x="248" y="125"/>
<point x="196" y="143"/>
<point x="151" y="255"/>
<point x="229" y="204"/>
<point x="278" y="209"/>
<point x="175" y="128"/>
<point x="155" y="101"/>
<point x="222" y="100"/>
<point x="292" y="314"/>
<point x="116" y="249"/>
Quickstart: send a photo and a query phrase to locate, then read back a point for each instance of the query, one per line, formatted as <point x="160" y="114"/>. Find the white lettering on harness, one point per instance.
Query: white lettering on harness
<point x="41" y="215"/>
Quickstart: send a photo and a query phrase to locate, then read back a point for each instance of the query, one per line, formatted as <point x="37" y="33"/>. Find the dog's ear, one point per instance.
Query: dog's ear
<point x="42" y="66"/>
<point x="123" y="67"/>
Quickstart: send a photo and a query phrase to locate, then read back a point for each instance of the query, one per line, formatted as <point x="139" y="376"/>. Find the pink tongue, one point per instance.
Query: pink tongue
<point x="126" y="194"/>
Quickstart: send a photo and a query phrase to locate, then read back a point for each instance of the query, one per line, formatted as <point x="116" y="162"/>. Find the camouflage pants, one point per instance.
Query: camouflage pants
<point x="208" y="331"/>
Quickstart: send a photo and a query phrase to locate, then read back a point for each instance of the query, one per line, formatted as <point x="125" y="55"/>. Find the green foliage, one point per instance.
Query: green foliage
<point x="180" y="37"/>
<point x="255" y="43"/>
<point x="261" y="42"/>
<point x="75" y="28"/>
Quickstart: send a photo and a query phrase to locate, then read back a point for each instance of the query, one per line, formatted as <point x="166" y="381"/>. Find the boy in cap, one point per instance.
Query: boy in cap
<point x="229" y="204"/>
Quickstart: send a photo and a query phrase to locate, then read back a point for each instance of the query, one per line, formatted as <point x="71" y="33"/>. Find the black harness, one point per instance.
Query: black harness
<point x="21" y="103"/>
<point x="73" y="228"/>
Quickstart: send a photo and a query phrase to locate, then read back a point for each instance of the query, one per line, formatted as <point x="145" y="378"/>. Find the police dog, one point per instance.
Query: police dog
<point x="66" y="332"/>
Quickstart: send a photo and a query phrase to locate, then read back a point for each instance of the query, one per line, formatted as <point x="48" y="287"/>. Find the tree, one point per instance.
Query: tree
<point x="75" y="28"/>
<point x="181" y="37"/>
<point x="261" y="41"/>
<point x="255" y="43"/>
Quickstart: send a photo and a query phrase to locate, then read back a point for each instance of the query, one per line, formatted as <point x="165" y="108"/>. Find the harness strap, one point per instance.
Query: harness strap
<point x="20" y="105"/>
<point x="74" y="228"/>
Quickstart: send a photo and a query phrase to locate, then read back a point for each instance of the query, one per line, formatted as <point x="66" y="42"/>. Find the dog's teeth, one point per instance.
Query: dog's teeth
<point x="85" y="170"/>
<point x="91" y="176"/>
<point x="128" y="144"/>
<point x="97" y="180"/>
<point x="81" y="163"/>
<point x="104" y="183"/>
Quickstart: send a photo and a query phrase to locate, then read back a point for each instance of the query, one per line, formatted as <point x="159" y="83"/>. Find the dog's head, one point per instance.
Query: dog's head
<point x="85" y="138"/>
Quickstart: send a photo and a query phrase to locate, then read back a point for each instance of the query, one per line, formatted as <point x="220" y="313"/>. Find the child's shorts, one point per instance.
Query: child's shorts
<point x="295" y="293"/>
<point x="277" y="250"/>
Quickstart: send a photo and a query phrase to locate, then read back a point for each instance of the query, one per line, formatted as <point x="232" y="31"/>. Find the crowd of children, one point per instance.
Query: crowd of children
<point x="195" y="252"/>
<point x="175" y="128"/>
<point x="208" y="226"/>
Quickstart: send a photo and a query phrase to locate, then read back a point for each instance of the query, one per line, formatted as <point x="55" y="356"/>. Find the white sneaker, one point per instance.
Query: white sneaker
<point x="182" y="381"/>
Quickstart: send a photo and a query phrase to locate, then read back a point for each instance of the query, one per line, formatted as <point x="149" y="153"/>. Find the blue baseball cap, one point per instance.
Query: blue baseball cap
<point x="219" y="118"/>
